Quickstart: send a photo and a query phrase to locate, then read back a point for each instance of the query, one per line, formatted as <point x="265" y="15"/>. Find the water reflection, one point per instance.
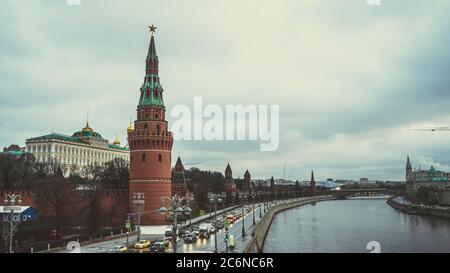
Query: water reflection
<point x="348" y="225"/>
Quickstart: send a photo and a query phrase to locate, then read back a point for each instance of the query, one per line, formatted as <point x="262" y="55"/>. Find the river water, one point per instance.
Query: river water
<point x="349" y="226"/>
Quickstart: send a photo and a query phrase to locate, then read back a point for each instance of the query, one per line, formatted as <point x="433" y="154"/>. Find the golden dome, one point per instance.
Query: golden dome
<point x="116" y="141"/>
<point x="130" y="128"/>
<point x="87" y="128"/>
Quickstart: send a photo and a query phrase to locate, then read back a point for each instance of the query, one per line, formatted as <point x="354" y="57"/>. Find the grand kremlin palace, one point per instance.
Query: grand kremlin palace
<point x="83" y="148"/>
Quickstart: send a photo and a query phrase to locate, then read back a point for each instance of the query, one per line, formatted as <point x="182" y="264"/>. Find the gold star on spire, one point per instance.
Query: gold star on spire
<point x="152" y="29"/>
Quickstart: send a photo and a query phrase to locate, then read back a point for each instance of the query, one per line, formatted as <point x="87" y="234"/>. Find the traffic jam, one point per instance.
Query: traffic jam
<point x="191" y="235"/>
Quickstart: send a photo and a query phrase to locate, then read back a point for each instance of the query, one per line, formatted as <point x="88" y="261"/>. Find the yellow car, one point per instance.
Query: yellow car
<point x="142" y="244"/>
<point x="119" y="249"/>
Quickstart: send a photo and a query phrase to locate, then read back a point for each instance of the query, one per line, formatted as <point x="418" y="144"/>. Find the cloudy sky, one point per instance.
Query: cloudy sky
<point x="349" y="78"/>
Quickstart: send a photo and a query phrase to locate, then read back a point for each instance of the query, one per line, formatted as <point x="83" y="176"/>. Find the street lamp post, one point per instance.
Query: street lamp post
<point x="266" y="198"/>
<point x="253" y="196"/>
<point x="175" y="209"/>
<point x="10" y="201"/>
<point x="138" y="202"/>
<point x="242" y="197"/>
<point x="260" y="204"/>
<point x="214" y="199"/>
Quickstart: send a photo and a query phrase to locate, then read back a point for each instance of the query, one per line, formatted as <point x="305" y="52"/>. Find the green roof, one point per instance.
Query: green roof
<point x="151" y="89"/>
<point x="440" y="179"/>
<point x="71" y="139"/>
<point x="14" y="153"/>
<point x="58" y="137"/>
<point x="117" y="147"/>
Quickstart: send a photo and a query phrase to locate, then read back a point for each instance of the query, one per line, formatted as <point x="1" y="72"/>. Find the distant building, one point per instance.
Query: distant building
<point x="313" y="184"/>
<point x="230" y="185"/>
<point x="437" y="180"/>
<point x="179" y="185"/>
<point x="245" y="185"/>
<point x="364" y="180"/>
<point x="83" y="148"/>
<point x="13" y="150"/>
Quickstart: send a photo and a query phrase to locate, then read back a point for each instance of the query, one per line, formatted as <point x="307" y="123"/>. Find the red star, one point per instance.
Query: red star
<point x="152" y="28"/>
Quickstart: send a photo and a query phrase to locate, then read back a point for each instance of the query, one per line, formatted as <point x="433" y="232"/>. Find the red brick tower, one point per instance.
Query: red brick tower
<point x="179" y="186"/>
<point x="150" y="144"/>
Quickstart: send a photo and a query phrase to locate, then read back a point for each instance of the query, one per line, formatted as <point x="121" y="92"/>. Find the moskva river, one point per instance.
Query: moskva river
<point x="355" y="225"/>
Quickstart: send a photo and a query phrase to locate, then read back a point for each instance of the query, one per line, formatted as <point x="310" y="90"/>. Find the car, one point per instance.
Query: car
<point x="167" y="241"/>
<point x="194" y="227"/>
<point x="213" y="229"/>
<point x="205" y="230"/>
<point x="196" y="232"/>
<point x="168" y="234"/>
<point x="158" y="247"/>
<point x="118" y="249"/>
<point x="161" y="242"/>
<point x="142" y="244"/>
<point x="190" y="238"/>
<point x="185" y="232"/>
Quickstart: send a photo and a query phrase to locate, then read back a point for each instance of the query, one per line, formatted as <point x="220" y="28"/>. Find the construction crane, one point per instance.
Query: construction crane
<point x="430" y="129"/>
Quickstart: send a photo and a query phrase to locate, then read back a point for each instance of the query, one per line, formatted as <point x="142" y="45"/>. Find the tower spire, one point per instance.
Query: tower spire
<point x="408" y="164"/>
<point x="313" y="183"/>
<point x="151" y="90"/>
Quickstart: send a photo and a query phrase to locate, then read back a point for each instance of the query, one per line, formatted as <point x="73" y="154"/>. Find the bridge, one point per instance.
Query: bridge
<point x="343" y="193"/>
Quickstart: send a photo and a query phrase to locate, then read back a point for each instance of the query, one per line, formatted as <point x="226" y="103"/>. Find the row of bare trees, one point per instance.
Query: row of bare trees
<point x="64" y="196"/>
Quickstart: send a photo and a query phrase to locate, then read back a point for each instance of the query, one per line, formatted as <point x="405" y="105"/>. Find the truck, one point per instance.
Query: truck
<point x="204" y="230"/>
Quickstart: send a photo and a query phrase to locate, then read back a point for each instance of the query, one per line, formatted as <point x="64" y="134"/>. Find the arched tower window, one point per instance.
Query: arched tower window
<point x="157" y="129"/>
<point x="143" y="157"/>
<point x="159" y="157"/>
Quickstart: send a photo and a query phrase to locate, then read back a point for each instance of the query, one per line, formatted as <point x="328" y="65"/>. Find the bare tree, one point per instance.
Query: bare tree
<point x="56" y="199"/>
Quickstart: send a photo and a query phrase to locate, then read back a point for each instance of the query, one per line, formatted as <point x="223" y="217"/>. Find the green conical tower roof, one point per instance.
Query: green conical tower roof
<point x="151" y="90"/>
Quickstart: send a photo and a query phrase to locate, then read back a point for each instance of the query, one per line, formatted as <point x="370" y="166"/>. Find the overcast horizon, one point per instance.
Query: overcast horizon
<point x="349" y="78"/>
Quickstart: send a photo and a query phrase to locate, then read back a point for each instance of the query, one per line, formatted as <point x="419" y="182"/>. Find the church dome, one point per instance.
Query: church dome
<point x="130" y="128"/>
<point x="87" y="132"/>
<point x="116" y="141"/>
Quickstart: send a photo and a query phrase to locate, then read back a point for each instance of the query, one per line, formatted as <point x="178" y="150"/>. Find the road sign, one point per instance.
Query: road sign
<point x="128" y="224"/>
<point x="12" y="208"/>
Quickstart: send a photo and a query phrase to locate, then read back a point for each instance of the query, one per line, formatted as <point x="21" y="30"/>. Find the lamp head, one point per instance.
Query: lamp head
<point x="163" y="210"/>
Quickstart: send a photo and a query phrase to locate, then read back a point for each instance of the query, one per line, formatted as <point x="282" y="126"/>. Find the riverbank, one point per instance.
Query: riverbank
<point x="256" y="245"/>
<point x="436" y="211"/>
